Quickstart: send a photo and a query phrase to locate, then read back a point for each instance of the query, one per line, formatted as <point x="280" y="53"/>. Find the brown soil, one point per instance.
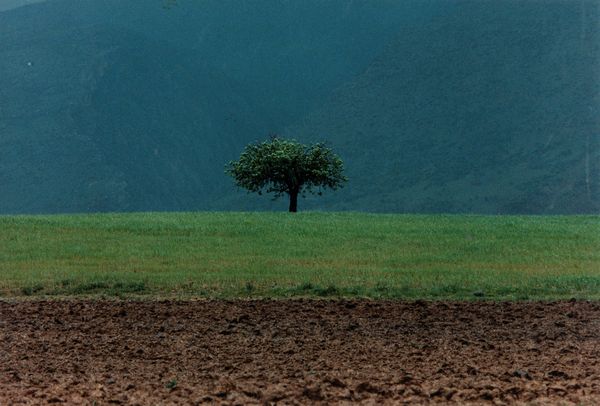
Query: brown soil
<point x="298" y="351"/>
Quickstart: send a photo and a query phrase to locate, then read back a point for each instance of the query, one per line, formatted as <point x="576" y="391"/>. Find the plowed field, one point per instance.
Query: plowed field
<point x="298" y="351"/>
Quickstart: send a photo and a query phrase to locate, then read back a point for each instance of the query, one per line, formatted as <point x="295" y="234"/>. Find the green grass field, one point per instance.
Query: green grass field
<point x="234" y="255"/>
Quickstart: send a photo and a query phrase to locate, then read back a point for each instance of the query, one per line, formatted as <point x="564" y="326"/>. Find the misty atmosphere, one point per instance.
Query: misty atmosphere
<point x="303" y="202"/>
<point x="433" y="105"/>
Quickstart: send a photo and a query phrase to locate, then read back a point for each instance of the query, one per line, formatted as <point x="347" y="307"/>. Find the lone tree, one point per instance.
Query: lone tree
<point x="285" y="166"/>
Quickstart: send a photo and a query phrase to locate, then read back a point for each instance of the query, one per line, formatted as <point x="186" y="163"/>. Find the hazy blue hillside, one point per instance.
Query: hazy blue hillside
<point x="10" y="4"/>
<point x="112" y="105"/>
<point x="434" y="105"/>
<point x="288" y="55"/>
<point x="494" y="108"/>
<point x="106" y="120"/>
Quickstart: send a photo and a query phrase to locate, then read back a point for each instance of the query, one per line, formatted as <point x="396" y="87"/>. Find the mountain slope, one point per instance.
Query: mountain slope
<point x="107" y="120"/>
<point x="112" y="105"/>
<point x="435" y="106"/>
<point x="10" y="4"/>
<point x="493" y="109"/>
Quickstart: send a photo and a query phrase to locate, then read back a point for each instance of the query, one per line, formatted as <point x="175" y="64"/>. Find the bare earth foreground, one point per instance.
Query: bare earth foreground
<point x="298" y="351"/>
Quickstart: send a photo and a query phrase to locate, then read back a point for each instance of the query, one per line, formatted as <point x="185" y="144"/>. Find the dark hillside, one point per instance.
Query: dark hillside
<point x="107" y="120"/>
<point x="112" y="105"/>
<point x="10" y="4"/>
<point x="434" y="105"/>
<point x="492" y="109"/>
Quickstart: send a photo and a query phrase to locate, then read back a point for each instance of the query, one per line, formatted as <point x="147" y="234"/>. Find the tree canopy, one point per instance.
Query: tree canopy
<point x="282" y="166"/>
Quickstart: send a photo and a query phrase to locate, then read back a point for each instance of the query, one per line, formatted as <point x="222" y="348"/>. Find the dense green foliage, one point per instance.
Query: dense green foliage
<point x="283" y="166"/>
<point x="310" y="254"/>
<point x="434" y="105"/>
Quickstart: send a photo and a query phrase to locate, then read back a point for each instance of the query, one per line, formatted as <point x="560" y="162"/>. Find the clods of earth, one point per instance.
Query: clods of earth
<point x="299" y="352"/>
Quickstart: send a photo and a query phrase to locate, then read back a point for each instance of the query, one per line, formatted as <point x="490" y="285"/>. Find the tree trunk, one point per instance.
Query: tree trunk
<point x="293" y="202"/>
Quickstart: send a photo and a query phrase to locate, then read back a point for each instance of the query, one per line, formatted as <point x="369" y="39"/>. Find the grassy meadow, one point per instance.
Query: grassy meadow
<point x="232" y="255"/>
